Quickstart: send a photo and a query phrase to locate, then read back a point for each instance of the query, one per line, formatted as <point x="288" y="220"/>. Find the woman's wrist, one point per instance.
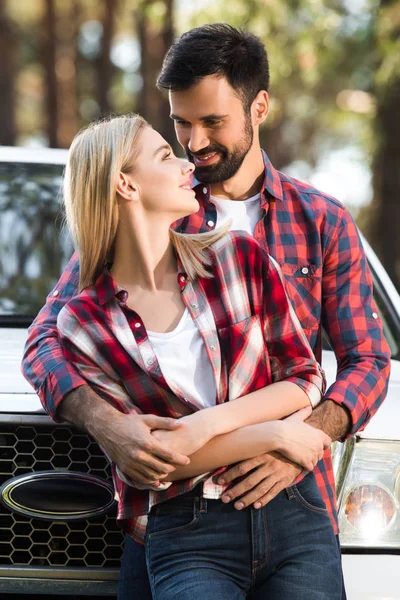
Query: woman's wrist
<point x="203" y="423"/>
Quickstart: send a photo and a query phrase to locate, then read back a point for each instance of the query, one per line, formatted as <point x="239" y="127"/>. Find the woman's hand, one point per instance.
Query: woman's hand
<point x="302" y="443"/>
<point x="193" y="433"/>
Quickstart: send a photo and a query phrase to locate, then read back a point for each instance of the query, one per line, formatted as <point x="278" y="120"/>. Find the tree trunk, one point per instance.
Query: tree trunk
<point x="385" y="231"/>
<point x="387" y="181"/>
<point x="48" y="55"/>
<point x="67" y="28"/>
<point x="7" y="74"/>
<point x="155" y="39"/>
<point x="104" y="65"/>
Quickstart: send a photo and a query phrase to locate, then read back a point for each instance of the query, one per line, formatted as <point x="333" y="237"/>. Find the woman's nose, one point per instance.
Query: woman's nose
<point x="187" y="167"/>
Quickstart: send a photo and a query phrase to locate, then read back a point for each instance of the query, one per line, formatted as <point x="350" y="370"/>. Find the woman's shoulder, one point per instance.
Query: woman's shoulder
<point x="79" y="307"/>
<point x="234" y="239"/>
<point x="240" y="244"/>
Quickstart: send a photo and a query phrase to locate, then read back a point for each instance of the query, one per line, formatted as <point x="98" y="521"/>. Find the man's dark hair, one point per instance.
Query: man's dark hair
<point x="217" y="49"/>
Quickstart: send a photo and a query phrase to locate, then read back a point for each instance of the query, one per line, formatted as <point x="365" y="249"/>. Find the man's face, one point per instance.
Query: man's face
<point x="212" y="127"/>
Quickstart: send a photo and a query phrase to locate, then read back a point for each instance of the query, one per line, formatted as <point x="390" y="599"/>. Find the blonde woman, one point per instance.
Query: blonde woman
<point x="198" y="329"/>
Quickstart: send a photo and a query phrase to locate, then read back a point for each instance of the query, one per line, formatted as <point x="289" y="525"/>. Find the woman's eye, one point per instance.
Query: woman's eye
<point x="167" y="156"/>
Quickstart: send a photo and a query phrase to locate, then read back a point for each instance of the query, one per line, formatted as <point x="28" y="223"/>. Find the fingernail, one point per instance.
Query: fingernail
<point x="239" y="505"/>
<point x="225" y="499"/>
<point x="257" y="505"/>
<point x="221" y="481"/>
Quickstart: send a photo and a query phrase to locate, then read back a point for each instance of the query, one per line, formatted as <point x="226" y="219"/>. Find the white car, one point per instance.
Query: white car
<point x="57" y="530"/>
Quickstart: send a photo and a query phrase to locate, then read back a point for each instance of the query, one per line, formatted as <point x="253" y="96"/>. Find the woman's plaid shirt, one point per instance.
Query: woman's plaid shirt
<point x="249" y="329"/>
<point x="315" y="241"/>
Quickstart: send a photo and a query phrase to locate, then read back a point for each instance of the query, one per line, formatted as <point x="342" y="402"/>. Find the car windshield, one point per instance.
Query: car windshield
<point x="34" y="247"/>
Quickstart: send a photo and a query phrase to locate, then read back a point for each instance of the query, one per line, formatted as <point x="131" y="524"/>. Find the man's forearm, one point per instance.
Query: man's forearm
<point x="85" y="409"/>
<point x="332" y="418"/>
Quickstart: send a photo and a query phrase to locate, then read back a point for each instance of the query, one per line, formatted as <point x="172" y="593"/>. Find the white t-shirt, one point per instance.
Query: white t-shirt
<point x="184" y="362"/>
<point x="181" y="353"/>
<point x="244" y="214"/>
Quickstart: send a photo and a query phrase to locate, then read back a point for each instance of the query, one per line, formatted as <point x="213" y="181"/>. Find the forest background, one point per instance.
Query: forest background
<point x="335" y="85"/>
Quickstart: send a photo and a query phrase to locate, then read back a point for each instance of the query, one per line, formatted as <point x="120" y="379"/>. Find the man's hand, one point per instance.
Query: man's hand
<point x="129" y="442"/>
<point x="267" y="475"/>
<point x="126" y="439"/>
<point x="192" y="434"/>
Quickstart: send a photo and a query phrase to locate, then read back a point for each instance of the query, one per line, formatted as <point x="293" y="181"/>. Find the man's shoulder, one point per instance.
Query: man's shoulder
<point x="305" y="193"/>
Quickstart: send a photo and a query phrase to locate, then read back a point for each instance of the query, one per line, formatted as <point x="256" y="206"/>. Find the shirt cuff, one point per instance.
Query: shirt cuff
<point x="313" y="392"/>
<point x="59" y="382"/>
<point x="356" y="404"/>
<point x="138" y="486"/>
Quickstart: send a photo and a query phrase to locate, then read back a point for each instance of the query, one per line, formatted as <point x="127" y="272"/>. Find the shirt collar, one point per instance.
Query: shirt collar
<point x="106" y="288"/>
<point x="271" y="185"/>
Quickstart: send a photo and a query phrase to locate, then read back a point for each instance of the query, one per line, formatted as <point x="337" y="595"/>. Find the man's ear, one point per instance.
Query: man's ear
<point x="126" y="187"/>
<point x="260" y="107"/>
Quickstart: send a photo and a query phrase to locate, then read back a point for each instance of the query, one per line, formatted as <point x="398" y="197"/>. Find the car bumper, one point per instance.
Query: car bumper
<point x="371" y="576"/>
<point x="58" y="582"/>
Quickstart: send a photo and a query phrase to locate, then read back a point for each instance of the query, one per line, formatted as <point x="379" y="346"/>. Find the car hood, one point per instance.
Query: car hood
<point x="16" y="394"/>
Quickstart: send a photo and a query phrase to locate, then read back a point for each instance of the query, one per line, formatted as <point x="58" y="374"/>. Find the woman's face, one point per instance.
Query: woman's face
<point x="163" y="180"/>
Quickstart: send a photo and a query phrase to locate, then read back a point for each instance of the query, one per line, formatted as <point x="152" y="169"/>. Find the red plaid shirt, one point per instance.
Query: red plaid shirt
<point x="316" y="243"/>
<point x="248" y="327"/>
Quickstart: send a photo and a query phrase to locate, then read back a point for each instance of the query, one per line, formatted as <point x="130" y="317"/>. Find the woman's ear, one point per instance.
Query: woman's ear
<point x="126" y="188"/>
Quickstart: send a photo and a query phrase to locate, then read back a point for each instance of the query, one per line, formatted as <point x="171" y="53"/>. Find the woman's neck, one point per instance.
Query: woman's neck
<point x="143" y="254"/>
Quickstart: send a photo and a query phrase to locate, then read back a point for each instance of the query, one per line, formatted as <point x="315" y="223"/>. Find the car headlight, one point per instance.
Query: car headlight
<point x="369" y="515"/>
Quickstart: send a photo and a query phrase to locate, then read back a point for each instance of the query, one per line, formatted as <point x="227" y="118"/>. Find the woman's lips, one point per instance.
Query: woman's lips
<point x="207" y="159"/>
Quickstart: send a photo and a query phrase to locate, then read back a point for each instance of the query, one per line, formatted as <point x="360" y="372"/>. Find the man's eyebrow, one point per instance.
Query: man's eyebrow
<point x="163" y="147"/>
<point x="206" y="118"/>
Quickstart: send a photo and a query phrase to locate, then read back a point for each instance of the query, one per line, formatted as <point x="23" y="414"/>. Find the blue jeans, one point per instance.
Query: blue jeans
<point x="206" y="549"/>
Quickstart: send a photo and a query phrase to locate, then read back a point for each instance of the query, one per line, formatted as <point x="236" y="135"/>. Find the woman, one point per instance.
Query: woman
<point x="148" y="296"/>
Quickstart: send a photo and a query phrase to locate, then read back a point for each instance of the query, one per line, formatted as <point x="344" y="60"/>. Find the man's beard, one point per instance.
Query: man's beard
<point x="229" y="162"/>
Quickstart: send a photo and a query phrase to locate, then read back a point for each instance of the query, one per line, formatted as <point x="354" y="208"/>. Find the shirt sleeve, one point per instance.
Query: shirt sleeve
<point x="44" y="364"/>
<point x="351" y="320"/>
<point x="290" y="353"/>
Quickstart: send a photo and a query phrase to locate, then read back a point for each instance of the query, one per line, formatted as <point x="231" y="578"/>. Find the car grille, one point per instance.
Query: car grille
<point x="23" y="541"/>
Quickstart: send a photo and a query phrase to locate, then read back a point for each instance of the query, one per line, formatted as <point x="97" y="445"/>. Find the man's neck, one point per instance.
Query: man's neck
<point x="247" y="182"/>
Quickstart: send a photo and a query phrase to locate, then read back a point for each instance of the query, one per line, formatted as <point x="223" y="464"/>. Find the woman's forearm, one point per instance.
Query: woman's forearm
<point x="275" y="401"/>
<point x="229" y="448"/>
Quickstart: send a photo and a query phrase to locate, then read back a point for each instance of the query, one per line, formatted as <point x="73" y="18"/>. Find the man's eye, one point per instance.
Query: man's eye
<point x="180" y="122"/>
<point x="213" y="123"/>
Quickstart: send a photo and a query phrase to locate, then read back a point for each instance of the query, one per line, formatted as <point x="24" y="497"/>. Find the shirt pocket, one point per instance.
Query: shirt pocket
<point x="303" y="284"/>
<point x="244" y="350"/>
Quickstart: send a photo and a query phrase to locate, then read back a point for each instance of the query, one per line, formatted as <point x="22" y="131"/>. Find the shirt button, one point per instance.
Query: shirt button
<point x="210" y="223"/>
<point x="194" y="305"/>
<point x="137" y="325"/>
<point x="55" y="293"/>
<point x="205" y="190"/>
<point x="212" y="347"/>
<point x="375" y="315"/>
<point x="304" y="270"/>
<point x="182" y="279"/>
<point x="150" y="361"/>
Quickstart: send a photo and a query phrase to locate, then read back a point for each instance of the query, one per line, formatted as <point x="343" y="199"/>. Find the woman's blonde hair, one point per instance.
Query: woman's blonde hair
<point x="97" y="155"/>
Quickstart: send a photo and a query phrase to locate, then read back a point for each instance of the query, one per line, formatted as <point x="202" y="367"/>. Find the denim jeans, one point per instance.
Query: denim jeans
<point x="197" y="548"/>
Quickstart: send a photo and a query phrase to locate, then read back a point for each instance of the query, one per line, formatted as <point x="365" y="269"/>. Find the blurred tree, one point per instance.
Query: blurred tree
<point x="154" y="19"/>
<point x="7" y="78"/>
<point x="67" y="27"/>
<point x="48" y="58"/>
<point x="385" y="228"/>
<point x="103" y="64"/>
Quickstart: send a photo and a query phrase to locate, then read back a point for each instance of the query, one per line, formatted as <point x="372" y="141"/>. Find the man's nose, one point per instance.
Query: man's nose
<point x="198" y="139"/>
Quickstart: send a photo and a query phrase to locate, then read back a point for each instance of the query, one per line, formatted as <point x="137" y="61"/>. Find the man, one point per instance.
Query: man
<point x="218" y="79"/>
